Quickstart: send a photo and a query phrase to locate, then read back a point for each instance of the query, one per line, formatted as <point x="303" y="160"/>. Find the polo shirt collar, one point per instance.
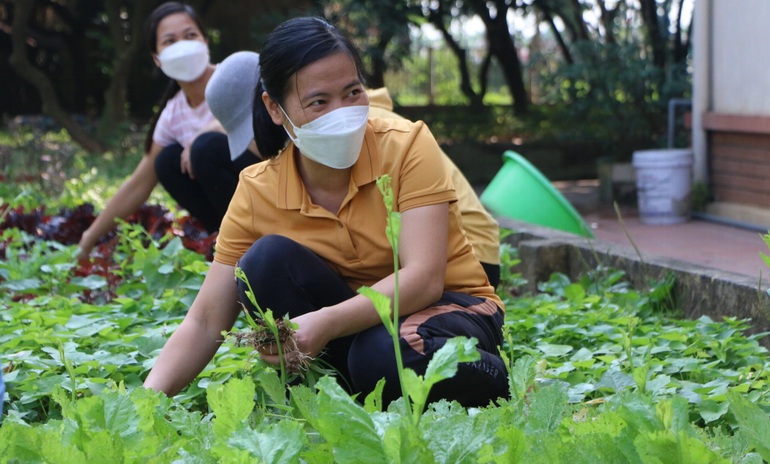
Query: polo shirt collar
<point x="290" y="189"/>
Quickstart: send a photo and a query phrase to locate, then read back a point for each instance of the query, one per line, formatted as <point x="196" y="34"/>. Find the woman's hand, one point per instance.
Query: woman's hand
<point x="184" y="163"/>
<point x="132" y="193"/>
<point x="85" y="246"/>
<point x="311" y="336"/>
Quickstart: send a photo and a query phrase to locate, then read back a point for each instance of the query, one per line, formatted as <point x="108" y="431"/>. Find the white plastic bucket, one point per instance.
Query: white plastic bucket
<point x="663" y="185"/>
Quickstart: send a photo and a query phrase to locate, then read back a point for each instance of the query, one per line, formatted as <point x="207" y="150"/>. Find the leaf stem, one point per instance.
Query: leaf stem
<point x="267" y="317"/>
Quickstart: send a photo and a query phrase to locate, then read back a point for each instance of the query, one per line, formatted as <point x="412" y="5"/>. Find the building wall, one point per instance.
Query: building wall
<point x="731" y="101"/>
<point x="740" y="57"/>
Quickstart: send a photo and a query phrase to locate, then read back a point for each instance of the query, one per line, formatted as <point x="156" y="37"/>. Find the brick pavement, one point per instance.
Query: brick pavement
<point x="708" y="243"/>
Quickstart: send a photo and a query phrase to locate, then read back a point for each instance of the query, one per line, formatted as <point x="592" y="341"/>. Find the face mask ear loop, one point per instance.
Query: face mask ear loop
<point x="293" y="139"/>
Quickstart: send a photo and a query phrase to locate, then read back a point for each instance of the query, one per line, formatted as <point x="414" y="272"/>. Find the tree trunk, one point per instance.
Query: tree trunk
<point x="51" y="106"/>
<point x="115" y="96"/>
<point x="376" y="78"/>
<point x="649" y="10"/>
<point x="545" y="9"/>
<point x="607" y="18"/>
<point x="486" y="63"/>
<point x="681" y="46"/>
<point x="501" y="46"/>
<point x="580" y="27"/>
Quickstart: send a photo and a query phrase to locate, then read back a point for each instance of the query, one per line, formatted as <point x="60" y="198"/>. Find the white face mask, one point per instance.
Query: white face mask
<point x="333" y="139"/>
<point x="185" y="60"/>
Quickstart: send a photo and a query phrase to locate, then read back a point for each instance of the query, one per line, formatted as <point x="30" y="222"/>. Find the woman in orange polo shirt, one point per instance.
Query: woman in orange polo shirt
<point x="307" y="227"/>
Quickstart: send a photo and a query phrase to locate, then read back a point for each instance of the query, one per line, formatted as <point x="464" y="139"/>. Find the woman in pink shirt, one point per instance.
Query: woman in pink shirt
<point x="186" y="149"/>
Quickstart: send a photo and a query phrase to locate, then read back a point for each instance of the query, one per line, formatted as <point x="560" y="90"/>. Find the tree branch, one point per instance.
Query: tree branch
<point x="436" y="17"/>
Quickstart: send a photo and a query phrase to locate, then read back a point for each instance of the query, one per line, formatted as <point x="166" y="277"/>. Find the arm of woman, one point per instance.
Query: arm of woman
<point x="129" y="197"/>
<point x="197" y="339"/>
<point x="423" y="256"/>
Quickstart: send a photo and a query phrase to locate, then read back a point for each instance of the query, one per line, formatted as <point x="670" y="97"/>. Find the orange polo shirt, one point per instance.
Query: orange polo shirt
<point x="271" y="199"/>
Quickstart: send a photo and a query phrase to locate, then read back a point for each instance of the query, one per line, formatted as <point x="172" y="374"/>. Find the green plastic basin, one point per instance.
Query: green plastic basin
<point x="519" y="191"/>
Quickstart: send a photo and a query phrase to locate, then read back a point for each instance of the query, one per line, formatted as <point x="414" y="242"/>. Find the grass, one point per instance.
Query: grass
<point x="47" y="169"/>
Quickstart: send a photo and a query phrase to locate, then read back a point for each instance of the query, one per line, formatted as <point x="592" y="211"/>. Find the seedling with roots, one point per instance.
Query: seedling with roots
<point x="267" y="332"/>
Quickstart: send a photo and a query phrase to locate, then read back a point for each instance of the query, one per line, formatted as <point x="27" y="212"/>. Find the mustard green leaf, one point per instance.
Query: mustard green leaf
<point x="232" y="403"/>
<point x="754" y="423"/>
<point x="453" y="434"/>
<point x="404" y="444"/>
<point x="522" y="376"/>
<point x="548" y="407"/>
<point x="373" y="401"/>
<point x="20" y="443"/>
<point x="443" y="364"/>
<point x="509" y="446"/>
<point x="271" y="383"/>
<point x="669" y="447"/>
<point x="346" y="425"/>
<point x="381" y="304"/>
<point x="673" y="413"/>
<point x="280" y="443"/>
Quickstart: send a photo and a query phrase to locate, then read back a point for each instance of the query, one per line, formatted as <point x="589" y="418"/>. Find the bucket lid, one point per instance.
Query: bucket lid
<point x="662" y="156"/>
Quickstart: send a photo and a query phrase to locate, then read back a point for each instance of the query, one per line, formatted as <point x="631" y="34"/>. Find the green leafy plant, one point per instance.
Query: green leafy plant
<point x="510" y="280"/>
<point x="599" y="371"/>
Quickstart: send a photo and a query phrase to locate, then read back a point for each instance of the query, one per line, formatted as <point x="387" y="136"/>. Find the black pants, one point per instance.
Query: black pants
<point x="207" y="196"/>
<point x="493" y="273"/>
<point x="287" y="278"/>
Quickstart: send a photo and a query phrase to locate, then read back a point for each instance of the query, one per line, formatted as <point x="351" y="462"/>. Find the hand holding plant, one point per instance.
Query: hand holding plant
<point x="272" y="337"/>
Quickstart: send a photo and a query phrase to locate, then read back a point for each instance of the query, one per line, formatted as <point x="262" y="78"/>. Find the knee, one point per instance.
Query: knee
<point x="265" y="260"/>
<point x="167" y="162"/>
<point x="206" y="151"/>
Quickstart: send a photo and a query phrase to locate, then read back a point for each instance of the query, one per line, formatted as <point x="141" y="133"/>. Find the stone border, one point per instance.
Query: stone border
<point x="698" y="290"/>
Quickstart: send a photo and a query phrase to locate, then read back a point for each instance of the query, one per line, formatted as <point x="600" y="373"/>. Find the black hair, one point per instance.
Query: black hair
<point x="291" y="46"/>
<point x="151" y="34"/>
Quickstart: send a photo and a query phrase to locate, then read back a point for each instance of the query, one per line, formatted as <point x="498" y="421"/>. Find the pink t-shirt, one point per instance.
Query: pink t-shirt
<point x="179" y="123"/>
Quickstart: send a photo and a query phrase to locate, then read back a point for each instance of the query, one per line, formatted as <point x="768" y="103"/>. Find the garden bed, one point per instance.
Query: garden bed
<point x="600" y="371"/>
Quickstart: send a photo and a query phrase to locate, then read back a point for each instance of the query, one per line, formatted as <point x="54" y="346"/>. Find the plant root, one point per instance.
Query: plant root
<point x="296" y="362"/>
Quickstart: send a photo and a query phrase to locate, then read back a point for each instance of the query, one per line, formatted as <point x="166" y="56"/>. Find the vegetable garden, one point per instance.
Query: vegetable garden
<point x="599" y="371"/>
